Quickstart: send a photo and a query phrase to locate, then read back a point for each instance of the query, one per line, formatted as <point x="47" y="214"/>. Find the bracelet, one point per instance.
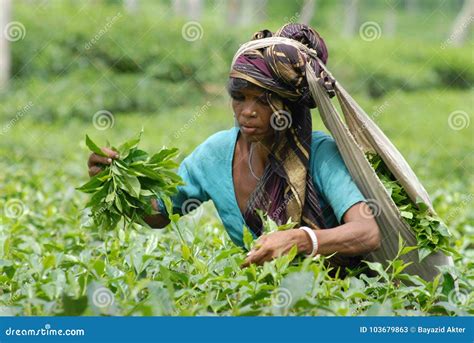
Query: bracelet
<point x="314" y="239"/>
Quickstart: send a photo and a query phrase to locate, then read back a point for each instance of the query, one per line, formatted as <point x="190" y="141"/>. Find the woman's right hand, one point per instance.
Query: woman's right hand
<point x="96" y="162"/>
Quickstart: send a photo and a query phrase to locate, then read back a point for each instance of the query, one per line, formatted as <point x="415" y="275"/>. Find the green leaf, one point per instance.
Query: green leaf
<point x="405" y="214"/>
<point x="133" y="185"/>
<point x="110" y="197"/>
<point x="125" y="148"/>
<point x="164" y="154"/>
<point x="74" y="306"/>
<point x="186" y="252"/>
<point x="423" y="253"/>
<point x="376" y="266"/>
<point x="94" y="147"/>
<point x="92" y="185"/>
<point x="247" y="238"/>
<point x="406" y="250"/>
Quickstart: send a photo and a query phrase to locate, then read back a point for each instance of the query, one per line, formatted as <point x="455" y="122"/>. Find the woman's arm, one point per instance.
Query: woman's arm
<point x="359" y="235"/>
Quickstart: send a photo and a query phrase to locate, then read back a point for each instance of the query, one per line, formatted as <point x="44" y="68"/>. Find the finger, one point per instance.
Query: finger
<point x="257" y="257"/>
<point x="95" y="159"/>
<point x="111" y="153"/>
<point x="247" y="261"/>
<point x="262" y="239"/>
<point x="94" y="170"/>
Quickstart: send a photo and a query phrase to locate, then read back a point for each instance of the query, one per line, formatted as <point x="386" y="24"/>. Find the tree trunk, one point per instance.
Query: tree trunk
<point x="411" y="6"/>
<point x="5" y="61"/>
<point x="307" y="11"/>
<point x="462" y="23"/>
<point x="390" y="25"/>
<point x="261" y="10"/>
<point x="248" y="12"/>
<point x="131" y="6"/>
<point x="233" y="12"/>
<point x="178" y="8"/>
<point x="350" y="10"/>
<point x="194" y="9"/>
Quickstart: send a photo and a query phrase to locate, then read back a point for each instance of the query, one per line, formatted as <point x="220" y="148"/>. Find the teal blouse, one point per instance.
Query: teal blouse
<point x="207" y="173"/>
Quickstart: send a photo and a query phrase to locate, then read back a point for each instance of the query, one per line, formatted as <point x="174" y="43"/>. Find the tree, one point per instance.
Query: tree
<point x="191" y="9"/>
<point x="390" y="23"/>
<point x="350" y="24"/>
<point x="5" y="61"/>
<point x="307" y="11"/>
<point x="131" y="6"/>
<point x="246" y="12"/>
<point x="462" y="23"/>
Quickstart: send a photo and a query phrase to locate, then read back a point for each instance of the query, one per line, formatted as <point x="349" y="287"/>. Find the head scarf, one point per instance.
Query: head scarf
<point x="286" y="189"/>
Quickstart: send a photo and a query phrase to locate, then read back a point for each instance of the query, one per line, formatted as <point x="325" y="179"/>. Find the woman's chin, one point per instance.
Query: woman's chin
<point x="251" y="136"/>
<point x="254" y="135"/>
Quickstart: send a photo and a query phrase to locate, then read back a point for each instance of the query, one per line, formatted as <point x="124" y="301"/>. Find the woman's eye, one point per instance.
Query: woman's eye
<point x="237" y="97"/>
<point x="262" y="100"/>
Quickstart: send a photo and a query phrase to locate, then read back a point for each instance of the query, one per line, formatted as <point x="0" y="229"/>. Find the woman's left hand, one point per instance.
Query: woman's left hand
<point x="275" y="244"/>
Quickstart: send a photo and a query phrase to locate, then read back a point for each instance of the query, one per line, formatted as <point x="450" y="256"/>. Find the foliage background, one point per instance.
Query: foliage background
<point x="79" y="59"/>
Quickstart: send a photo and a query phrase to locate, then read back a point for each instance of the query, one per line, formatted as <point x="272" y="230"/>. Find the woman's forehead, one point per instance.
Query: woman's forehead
<point x="251" y="89"/>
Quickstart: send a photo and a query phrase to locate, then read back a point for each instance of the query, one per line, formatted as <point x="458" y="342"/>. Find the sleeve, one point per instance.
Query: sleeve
<point x="190" y="195"/>
<point x="333" y="179"/>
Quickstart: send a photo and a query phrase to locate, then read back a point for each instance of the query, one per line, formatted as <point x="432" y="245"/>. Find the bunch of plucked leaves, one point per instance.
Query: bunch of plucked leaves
<point x="126" y="187"/>
<point x="431" y="233"/>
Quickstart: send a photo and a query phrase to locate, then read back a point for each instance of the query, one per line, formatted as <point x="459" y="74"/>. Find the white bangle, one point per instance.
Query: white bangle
<point x="314" y="239"/>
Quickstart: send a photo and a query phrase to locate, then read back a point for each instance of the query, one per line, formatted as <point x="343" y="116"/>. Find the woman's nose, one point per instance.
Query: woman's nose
<point x="249" y="110"/>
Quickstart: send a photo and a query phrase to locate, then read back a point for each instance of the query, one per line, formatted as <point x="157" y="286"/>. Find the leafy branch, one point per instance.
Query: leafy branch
<point x="126" y="187"/>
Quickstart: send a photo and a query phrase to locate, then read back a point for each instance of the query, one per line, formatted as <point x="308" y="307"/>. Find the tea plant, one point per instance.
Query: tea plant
<point x="431" y="233"/>
<point x="126" y="187"/>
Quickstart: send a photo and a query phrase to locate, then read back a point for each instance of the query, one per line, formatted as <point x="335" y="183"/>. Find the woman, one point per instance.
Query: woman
<point x="272" y="161"/>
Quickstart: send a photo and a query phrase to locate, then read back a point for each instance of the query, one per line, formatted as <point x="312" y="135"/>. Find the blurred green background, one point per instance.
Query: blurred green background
<point x="107" y="68"/>
<point x="110" y="67"/>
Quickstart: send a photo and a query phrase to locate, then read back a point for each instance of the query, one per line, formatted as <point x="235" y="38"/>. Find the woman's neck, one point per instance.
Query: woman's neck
<point x="260" y="150"/>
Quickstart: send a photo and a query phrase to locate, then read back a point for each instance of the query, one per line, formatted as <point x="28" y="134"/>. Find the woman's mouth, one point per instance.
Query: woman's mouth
<point x="248" y="129"/>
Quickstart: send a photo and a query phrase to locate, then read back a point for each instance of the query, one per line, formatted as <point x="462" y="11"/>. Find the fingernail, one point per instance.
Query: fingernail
<point x="109" y="160"/>
<point x="117" y="156"/>
<point x="249" y="253"/>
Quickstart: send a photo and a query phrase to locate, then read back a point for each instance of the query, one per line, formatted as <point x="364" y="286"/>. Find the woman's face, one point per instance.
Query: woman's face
<point x="253" y="113"/>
